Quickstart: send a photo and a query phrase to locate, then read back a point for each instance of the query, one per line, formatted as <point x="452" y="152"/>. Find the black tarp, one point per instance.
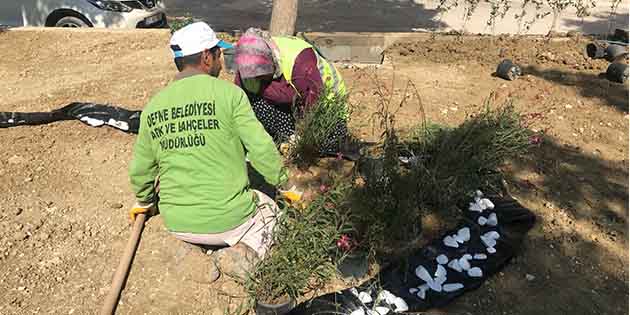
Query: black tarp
<point x="93" y="114"/>
<point x="514" y="221"/>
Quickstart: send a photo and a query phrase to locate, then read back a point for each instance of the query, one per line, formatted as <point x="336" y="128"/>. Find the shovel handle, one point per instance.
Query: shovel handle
<point x="109" y="307"/>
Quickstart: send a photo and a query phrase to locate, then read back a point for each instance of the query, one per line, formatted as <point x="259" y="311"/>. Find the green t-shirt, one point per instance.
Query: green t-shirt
<point x="194" y="134"/>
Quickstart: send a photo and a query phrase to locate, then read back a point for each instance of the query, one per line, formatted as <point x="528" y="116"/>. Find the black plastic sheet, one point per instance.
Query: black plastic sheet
<point x="514" y="221"/>
<point x="92" y="114"/>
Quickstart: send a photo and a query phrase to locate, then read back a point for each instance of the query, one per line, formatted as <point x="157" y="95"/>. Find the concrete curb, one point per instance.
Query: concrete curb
<point x="344" y="47"/>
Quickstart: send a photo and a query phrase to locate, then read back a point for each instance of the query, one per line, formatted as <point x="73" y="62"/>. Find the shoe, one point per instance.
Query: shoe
<point x="192" y="263"/>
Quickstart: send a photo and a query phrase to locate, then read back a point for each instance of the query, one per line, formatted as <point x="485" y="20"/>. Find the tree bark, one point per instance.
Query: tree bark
<point x="283" y="16"/>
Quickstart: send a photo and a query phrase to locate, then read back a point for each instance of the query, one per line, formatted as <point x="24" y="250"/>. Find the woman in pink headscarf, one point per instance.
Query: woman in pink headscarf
<point x="282" y="76"/>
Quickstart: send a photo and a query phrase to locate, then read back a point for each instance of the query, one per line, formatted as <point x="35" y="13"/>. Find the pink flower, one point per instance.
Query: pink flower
<point x="323" y="188"/>
<point x="535" y="140"/>
<point x="345" y="243"/>
<point x="339" y="156"/>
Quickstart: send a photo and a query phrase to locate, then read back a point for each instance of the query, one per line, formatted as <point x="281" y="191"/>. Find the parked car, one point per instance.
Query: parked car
<point x="83" y="13"/>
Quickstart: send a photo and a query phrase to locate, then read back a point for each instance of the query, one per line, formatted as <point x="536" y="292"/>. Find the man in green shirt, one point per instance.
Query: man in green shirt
<point x="193" y="136"/>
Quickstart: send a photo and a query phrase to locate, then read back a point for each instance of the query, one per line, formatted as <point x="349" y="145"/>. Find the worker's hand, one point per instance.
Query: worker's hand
<point x="141" y="207"/>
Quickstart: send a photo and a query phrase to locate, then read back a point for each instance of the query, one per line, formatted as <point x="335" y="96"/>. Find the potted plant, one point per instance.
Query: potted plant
<point x="299" y="261"/>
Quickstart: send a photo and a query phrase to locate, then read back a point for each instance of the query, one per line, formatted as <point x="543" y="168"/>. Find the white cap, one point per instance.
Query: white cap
<point x="195" y="38"/>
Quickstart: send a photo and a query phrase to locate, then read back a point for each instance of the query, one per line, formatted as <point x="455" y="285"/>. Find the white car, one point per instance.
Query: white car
<point x="83" y="13"/>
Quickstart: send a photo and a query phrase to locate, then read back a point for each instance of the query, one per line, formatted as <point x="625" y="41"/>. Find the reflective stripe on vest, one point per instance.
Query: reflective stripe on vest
<point x="290" y="47"/>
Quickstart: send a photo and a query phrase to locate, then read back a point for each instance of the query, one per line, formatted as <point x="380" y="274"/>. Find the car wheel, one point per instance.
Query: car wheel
<point x="71" y="21"/>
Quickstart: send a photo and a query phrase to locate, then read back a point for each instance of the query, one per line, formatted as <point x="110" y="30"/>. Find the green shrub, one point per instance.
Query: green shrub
<point x="453" y="162"/>
<point x="315" y="125"/>
<point x="300" y="260"/>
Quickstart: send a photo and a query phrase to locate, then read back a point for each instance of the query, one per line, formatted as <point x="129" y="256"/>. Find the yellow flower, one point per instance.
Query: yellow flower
<point x="292" y="194"/>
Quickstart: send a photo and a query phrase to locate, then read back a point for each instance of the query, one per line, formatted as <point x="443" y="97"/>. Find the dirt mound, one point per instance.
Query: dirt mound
<point x="486" y="50"/>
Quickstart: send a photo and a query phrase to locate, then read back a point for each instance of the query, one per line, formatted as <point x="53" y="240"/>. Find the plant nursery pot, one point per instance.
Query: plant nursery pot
<point x="595" y="51"/>
<point x="508" y="70"/>
<point x="354" y="265"/>
<point x="617" y="72"/>
<point x="615" y="51"/>
<point x="274" y="309"/>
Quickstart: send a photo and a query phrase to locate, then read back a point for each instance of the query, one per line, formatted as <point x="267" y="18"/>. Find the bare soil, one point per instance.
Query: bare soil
<point x="64" y="192"/>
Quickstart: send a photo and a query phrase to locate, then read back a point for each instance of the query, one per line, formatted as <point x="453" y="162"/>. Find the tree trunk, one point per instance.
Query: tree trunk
<point x="283" y="17"/>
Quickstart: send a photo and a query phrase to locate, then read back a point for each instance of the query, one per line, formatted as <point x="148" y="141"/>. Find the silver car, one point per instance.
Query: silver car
<point x="83" y="13"/>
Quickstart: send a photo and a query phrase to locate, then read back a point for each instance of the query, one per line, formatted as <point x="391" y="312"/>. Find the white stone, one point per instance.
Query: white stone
<point x="354" y="291"/>
<point x="118" y="124"/>
<point x="482" y="205"/>
<point x="92" y="121"/>
<point x="442" y="259"/>
<point x="450" y="242"/>
<point x="530" y="277"/>
<point x="478" y="193"/>
<point x="473" y="206"/>
<point x="454" y="264"/>
<point x="464" y="263"/>
<point x="365" y="297"/>
<point x="440" y="280"/>
<point x="467" y="256"/>
<point x="413" y="290"/>
<point x="475" y="272"/>
<point x="423" y="274"/>
<point x="435" y="286"/>
<point x="440" y="271"/>
<point x="386" y="296"/>
<point x="359" y="311"/>
<point x="464" y="233"/>
<point x="480" y="256"/>
<point x="489" y="242"/>
<point x="487" y="204"/>
<point x="400" y="305"/>
<point x="381" y="310"/>
<point x="421" y="294"/>
<point x="491" y="250"/>
<point x="494" y="235"/>
<point x="450" y="287"/>
<point x="458" y="238"/>
<point x="493" y="220"/>
<point x="482" y="220"/>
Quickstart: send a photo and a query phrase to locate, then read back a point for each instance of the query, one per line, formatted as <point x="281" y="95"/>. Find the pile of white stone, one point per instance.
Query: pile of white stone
<point x="384" y="303"/>
<point x="437" y="281"/>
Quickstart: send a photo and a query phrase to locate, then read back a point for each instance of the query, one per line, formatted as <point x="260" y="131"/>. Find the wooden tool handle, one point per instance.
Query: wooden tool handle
<point x="109" y="307"/>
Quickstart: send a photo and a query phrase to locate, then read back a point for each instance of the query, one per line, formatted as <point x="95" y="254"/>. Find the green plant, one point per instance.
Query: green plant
<point x="300" y="260"/>
<point x="385" y="211"/>
<point x="316" y="124"/>
<point x="453" y="162"/>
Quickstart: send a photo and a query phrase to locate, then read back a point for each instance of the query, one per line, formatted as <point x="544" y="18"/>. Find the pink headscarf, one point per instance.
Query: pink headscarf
<point x="255" y="55"/>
